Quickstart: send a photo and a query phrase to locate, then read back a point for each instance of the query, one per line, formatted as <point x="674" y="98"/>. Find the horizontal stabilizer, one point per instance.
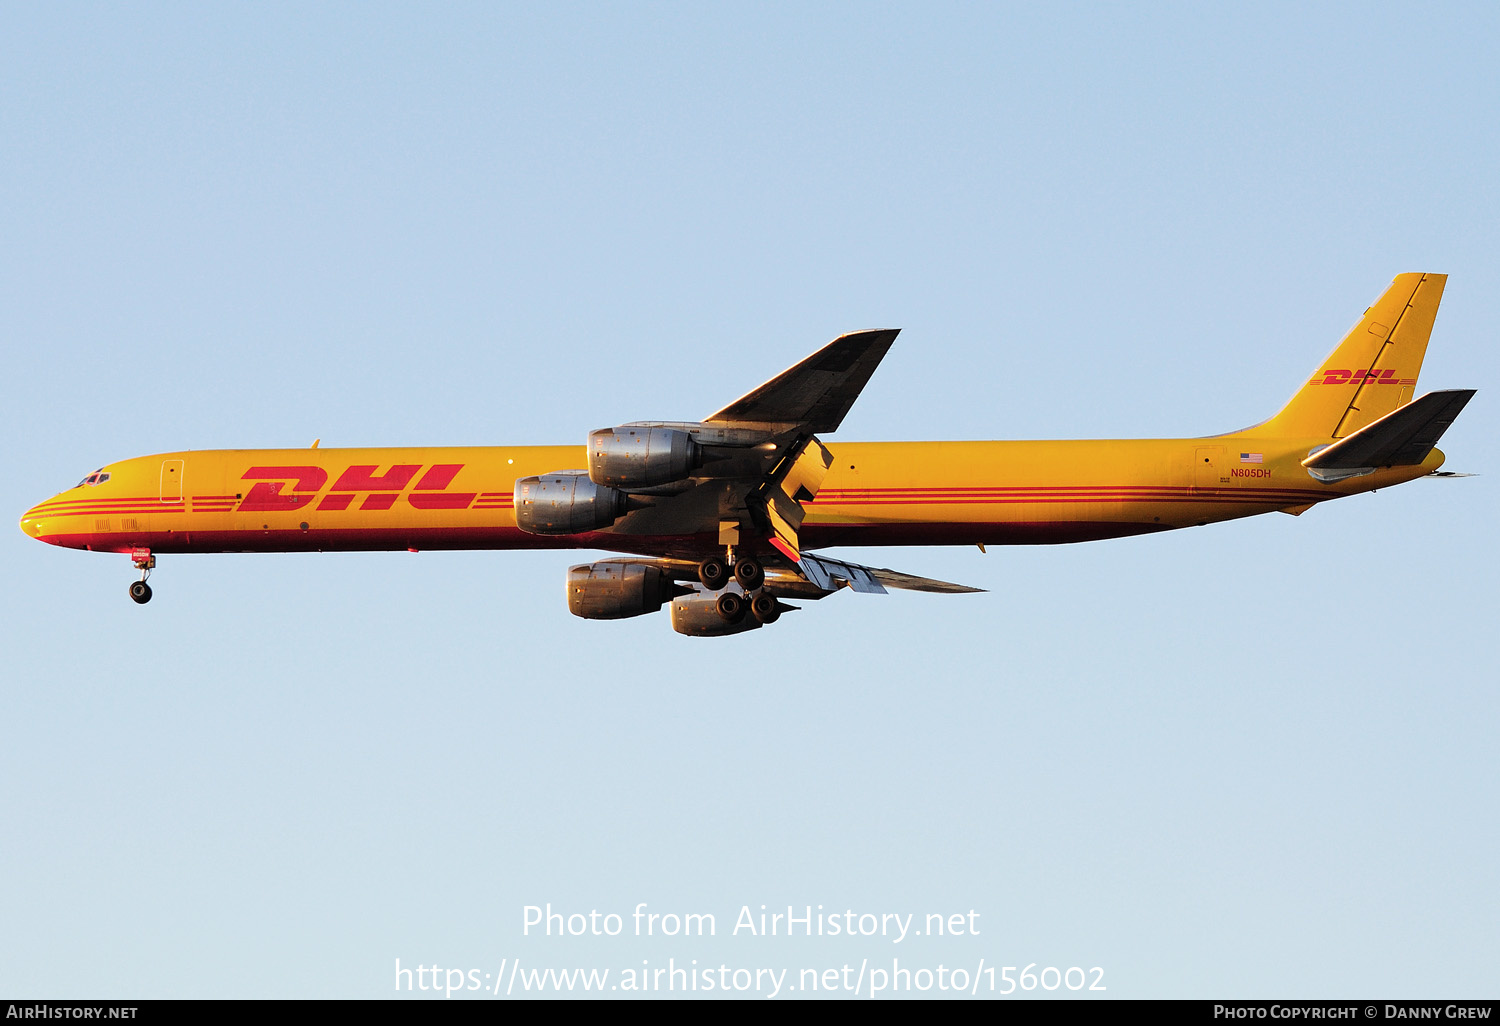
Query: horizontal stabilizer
<point x="832" y="574"/>
<point x="1399" y="439"/>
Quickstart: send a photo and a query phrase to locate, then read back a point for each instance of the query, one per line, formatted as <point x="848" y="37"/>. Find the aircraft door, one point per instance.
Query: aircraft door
<point x="1209" y="470"/>
<point x="171" y="480"/>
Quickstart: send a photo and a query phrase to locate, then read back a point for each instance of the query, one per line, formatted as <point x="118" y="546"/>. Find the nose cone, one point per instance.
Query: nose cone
<point x="34" y="520"/>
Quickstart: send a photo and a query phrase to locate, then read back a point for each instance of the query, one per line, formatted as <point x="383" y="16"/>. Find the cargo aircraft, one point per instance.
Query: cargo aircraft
<point x="727" y="518"/>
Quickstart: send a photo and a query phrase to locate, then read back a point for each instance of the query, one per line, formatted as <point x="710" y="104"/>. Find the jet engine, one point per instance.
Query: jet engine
<point x="566" y="502"/>
<point x="616" y="590"/>
<point x="700" y="615"/>
<point x="641" y="456"/>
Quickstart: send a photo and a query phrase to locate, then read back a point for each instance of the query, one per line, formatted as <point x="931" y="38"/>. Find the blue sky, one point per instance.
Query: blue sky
<point x="1254" y="759"/>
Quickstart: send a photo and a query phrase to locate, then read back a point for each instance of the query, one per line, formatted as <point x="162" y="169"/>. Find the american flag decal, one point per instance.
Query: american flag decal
<point x="1250" y="457"/>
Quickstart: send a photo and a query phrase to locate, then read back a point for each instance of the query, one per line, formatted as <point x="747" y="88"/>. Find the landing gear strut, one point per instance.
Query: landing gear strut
<point x="144" y="561"/>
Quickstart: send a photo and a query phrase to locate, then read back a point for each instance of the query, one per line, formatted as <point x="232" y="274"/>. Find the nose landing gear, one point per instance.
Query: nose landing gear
<point x="145" y="562"/>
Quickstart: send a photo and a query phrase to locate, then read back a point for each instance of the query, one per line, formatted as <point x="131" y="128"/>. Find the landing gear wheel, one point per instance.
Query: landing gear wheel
<point x="749" y="573"/>
<point x="763" y="608"/>
<point x="731" y="606"/>
<point x="714" y="573"/>
<point x="141" y="592"/>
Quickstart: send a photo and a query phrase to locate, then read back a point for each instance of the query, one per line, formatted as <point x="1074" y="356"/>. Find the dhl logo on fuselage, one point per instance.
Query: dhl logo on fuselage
<point x="1369" y="377"/>
<point x="283" y="489"/>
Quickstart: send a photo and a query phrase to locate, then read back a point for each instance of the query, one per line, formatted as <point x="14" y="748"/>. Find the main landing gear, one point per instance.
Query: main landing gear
<point x="715" y="574"/>
<point x="145" y="562"/>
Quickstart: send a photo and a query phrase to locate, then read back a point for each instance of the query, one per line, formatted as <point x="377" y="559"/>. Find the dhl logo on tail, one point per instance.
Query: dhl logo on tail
<point x="1369" y="377"/>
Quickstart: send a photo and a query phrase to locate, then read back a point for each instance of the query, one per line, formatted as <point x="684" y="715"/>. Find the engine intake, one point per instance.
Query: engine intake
<point x="641" y="457"/>
<point x="566" y="502"/>
<point x="616" y="590"/>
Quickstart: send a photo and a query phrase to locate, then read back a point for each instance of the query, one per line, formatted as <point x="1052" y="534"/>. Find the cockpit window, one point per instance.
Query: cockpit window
<point x="98" y="477"/>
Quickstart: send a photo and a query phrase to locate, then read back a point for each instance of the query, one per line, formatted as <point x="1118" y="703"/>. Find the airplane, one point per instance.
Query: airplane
<point x="727" y="518"/>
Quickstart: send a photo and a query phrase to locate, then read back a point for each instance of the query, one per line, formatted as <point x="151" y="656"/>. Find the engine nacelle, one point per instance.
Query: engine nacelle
<point x="566" y="502"/>
<point x="635" y="456"/>
<point x="614" y="591"/>
<point x="698" y="615"/>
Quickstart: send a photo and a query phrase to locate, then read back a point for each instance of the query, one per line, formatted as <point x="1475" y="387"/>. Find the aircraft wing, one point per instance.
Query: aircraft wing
<point x="764" y="459"/>
<point x="814" y="577"/>
<point x="815" y="394"/>
<point x="749" y="469"/>
<point x="831" y="574"/>
<point x="1399" y="439"/>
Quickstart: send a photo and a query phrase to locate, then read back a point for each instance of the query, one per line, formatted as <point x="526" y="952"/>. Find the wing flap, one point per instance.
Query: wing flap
<point x="1399" y="439"/>
<point x="795" y="480"/>
<point x="832" y="574"/>
<point x="783" y="533"/>
<point x="825" y="574"/>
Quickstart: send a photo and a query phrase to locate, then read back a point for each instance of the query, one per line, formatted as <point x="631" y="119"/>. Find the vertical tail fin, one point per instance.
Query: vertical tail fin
<point x="1373" y="371"/>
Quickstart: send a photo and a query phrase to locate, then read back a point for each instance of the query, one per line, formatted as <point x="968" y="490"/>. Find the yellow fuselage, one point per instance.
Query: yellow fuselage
<point x="875" y="493"/>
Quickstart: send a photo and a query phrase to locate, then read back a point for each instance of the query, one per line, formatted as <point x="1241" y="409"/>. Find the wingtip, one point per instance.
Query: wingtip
<point x="874" y="334"/>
